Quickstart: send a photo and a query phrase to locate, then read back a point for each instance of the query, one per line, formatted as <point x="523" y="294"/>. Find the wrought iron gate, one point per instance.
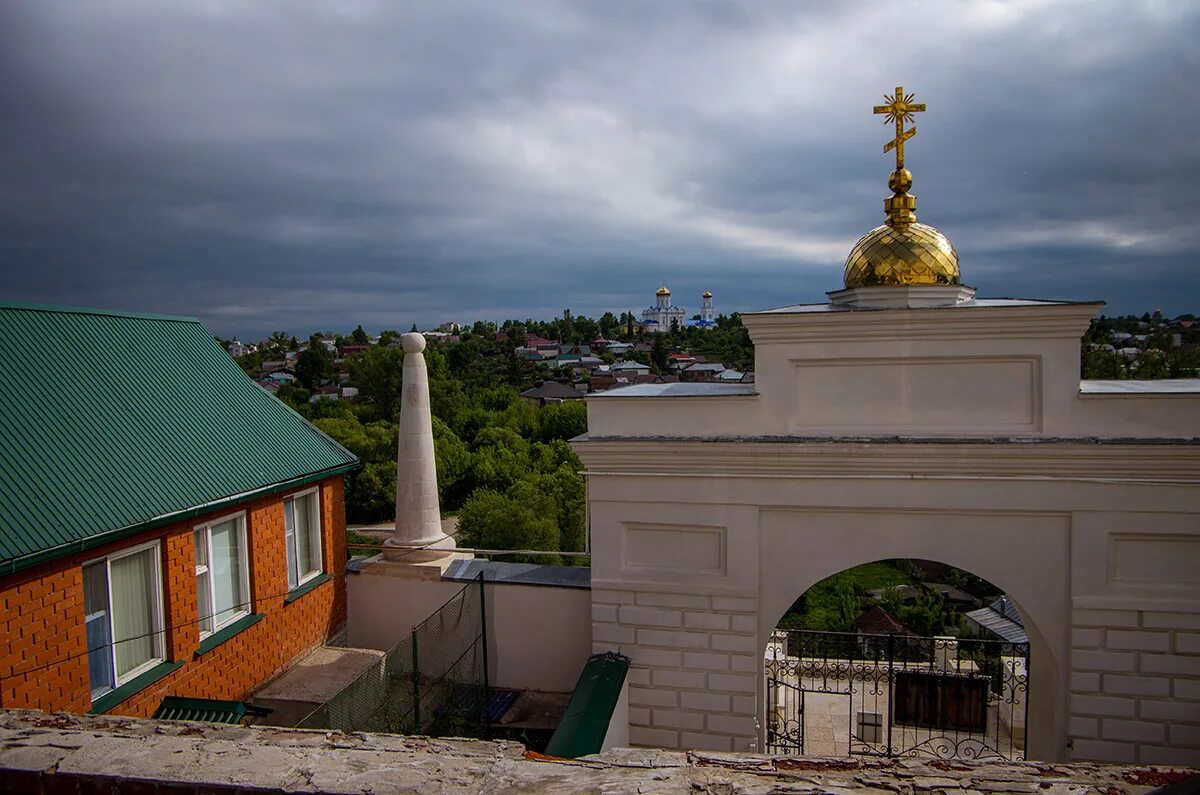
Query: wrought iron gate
<point x="838" y="693"/>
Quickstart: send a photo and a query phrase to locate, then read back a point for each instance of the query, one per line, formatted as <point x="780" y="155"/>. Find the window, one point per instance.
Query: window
<point x="302" y="533"/>
<point x="122" y="605"/>
<point x="222" y="573"/>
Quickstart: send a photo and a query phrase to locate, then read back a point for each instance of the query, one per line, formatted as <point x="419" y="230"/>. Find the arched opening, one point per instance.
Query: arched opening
<point x="899" y="657"/>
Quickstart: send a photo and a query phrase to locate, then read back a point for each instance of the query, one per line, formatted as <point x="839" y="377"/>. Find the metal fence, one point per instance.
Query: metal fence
<point x="832" y="693"/>
<point x="436" y="681"/>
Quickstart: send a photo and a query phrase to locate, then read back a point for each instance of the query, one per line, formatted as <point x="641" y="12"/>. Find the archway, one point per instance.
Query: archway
<point x="1024" y="559"/>
<point x="898" y="658"/>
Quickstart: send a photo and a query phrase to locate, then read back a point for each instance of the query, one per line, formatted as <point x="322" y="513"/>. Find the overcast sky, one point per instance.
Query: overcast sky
<point x="307" y="166"/>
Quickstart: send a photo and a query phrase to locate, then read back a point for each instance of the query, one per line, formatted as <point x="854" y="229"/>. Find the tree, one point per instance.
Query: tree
<point x="359" y="336"/>
<point x="454" y="465"/>
<point x="315" y="365"/>
<point x="490" y="520"/>
<point x="608" y="324"/>
<point x="377" y="373"/>
<point x="1104" y="365"/>
<point x="586" y="329"/>
<point x="278" y="341"/>
<point x="658" y="354"/>
<point x="564" y="420"/>
<point x="1151" y="364"/>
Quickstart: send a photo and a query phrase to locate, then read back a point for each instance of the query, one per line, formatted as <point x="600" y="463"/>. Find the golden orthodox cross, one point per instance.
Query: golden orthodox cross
<point x="900" y="109"/>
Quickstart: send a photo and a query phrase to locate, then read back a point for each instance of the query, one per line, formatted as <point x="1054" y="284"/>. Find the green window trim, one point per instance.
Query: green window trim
<point x="225" y="633"/>
<point x="139" y="683"/>
<point x="296" y="593"/>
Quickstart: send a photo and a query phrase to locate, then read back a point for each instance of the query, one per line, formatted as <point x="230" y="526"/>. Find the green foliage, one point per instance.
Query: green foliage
<point x="371" y="491"/>
<point x="924" y="615"/>
<point x="1104" y="365"/>
<point x="1151" y="364"/>
<point x="315" y="365"/>
<point x="359" y="337"/>
<point x="525" y="520"/>
<point x="833" y="603"/>
<point x="378" y="375"/>
<point x="564" y="421"/>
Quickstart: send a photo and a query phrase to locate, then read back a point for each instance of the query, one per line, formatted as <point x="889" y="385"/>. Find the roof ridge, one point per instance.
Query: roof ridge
<point x="83" y="310"/>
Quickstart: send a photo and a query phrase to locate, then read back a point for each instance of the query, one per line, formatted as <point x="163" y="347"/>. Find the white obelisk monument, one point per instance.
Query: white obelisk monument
<point x="418" y="537"/>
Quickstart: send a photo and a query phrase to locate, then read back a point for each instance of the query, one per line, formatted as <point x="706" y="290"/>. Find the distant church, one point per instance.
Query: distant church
<point x="663" y="315"/>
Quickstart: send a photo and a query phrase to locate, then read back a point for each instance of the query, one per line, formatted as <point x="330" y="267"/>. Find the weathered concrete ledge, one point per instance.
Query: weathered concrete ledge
<point x="44" y="753"/>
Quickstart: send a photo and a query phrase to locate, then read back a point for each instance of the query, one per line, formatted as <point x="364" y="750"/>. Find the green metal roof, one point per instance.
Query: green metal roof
<point x="585" y="723"/>
<point x="115" y="422"/>
<point x="207" y="709"/>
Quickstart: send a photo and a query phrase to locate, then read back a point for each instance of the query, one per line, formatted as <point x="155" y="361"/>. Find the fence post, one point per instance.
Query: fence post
<point x="891" y="650"/>
<point x="416" y="675"/>
<point x="487" y="701"/>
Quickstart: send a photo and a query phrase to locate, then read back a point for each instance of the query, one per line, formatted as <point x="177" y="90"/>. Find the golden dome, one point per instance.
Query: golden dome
<point x="902" y="251"/>
<point x="662" y="291"/>
<point x="902" y="254"/>
<point x="706" y="294"/>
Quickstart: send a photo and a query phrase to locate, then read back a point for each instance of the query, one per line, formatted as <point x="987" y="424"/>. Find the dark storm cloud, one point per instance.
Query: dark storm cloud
<point x="316" y="166"/>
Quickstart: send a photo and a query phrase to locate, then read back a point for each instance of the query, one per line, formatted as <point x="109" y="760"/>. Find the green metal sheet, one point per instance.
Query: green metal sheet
<point x="113" y="422"/>
<point x="585" y="723"/>
<point x="207" y="709"/>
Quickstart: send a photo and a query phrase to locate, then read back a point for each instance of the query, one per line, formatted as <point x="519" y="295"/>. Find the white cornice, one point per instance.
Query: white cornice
<point x="1039" y="321"/>
<point x="1133" y="461"/>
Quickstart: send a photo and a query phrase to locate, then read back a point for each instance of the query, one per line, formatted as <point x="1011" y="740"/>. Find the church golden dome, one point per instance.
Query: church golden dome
<point x="662" y="291"/>
<point x="706" y="294"/>
<point x="902" y="251"/>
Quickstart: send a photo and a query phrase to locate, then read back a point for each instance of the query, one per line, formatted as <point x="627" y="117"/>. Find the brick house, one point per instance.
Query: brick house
<point x="190" y="546"/>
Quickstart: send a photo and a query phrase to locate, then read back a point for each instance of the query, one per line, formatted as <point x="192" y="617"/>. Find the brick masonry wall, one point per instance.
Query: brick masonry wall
<point x="1135" y="686"/>
<point x="695" y="663"/>
<point x="43" y="648"/>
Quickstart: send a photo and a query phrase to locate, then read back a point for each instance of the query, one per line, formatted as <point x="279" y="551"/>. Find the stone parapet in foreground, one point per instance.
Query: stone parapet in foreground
<point x="54" y="753"/>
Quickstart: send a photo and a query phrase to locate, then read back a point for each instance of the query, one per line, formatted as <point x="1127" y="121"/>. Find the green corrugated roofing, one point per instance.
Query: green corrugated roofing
<point x="207" y="709"/>
<point x="585" y="723"/>
<point x="116" y="421"/>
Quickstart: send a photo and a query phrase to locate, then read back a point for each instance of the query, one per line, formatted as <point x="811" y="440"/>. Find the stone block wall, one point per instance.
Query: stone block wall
<point x="695" y="665"/>
<point x="1135" y="686"/>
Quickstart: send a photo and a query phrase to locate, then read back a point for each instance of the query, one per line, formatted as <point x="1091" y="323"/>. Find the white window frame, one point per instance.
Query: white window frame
<point x="248" y="604"/>
<point x="289" y="539"/>
<point x="158" y="636"/>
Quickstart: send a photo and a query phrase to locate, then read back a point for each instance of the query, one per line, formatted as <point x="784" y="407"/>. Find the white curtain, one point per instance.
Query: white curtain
<point x="304" y="536"/>
<point x="226" y="571"/>
<point x="134" y="609"/>
<point x="289" y="539"/>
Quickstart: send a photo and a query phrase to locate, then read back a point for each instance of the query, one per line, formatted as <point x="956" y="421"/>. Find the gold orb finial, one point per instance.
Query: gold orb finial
<point x="902" y="251"/>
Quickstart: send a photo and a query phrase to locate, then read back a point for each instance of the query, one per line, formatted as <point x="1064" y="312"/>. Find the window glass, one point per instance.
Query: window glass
<point x="303" y="536"/>
<point x="203" y="589"/>
<point x="302" y="530"/>
<point x="226" y="571"/>
<point x="134" y="610"/>
<point x="289" y="537"/>
<point x="99" y="638"/>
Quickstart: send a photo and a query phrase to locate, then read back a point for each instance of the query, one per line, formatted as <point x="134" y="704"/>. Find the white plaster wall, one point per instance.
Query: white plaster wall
<point x="541" y="636"/>
<point x="1111" y="595"/>
<point x="967" y="371"/>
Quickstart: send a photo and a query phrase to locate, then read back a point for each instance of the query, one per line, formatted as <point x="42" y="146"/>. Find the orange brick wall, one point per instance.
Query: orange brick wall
<point x="43" y="647"/>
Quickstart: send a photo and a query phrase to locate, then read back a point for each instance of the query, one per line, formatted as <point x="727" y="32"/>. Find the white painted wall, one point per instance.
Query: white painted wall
<point x="958" y="435"/>
<point x="541" y="637"/>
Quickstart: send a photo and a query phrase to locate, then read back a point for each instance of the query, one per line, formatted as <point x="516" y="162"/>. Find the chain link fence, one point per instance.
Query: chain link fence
<point x="436" y="681"/>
